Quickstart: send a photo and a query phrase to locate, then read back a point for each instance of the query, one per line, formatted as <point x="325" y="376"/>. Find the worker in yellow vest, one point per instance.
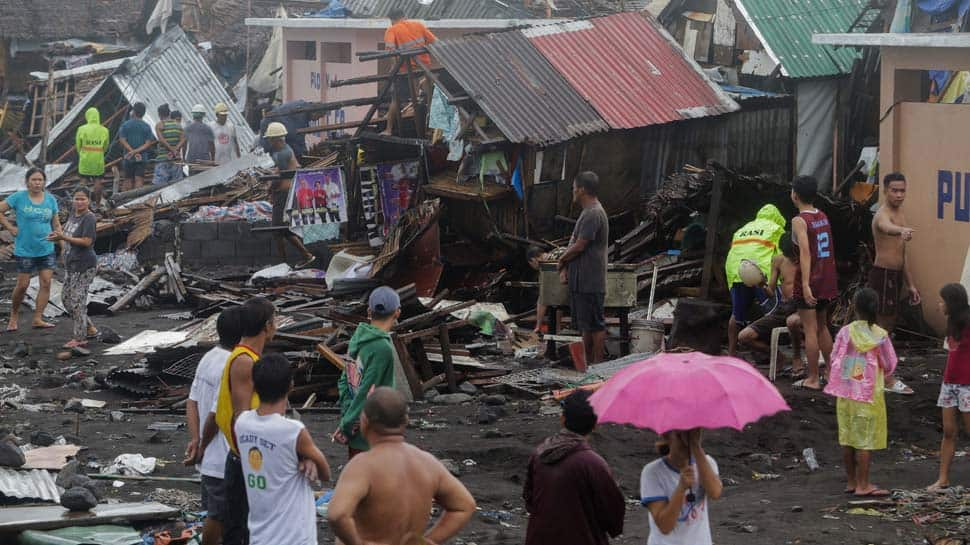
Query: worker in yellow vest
<point x="91" y="142"/>
<point x="748" y="266"/>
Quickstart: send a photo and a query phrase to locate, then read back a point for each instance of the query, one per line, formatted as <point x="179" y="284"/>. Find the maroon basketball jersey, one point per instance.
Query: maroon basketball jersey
<point x="824" y="278"/>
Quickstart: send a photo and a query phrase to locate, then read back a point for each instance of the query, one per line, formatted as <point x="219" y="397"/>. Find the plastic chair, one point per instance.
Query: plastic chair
<point x="775" y="335"/>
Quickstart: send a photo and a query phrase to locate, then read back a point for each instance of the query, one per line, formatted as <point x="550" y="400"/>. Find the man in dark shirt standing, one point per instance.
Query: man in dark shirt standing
<point x="585" y="265"/>
<point x="569" y="491"/>
<point x="285" y="161"/>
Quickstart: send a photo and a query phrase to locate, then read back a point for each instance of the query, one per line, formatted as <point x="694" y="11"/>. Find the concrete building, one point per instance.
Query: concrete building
<point x="926" y="141"/>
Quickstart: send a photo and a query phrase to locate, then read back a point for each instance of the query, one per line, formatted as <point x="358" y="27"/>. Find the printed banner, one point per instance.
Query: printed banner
<point x="317" y="197"/>
<point x="398" y="182"/>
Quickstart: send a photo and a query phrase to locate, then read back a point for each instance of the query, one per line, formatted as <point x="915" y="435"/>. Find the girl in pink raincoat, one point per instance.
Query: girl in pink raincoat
<point x="862" y="358"/>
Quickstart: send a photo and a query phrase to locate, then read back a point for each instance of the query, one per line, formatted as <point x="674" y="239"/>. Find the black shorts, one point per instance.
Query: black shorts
<point x="778" y="317"/>
<point x="820" y="304"/>
<point x="586" y="311"/>
<point x="402" y="89"/>
<point x="279" y="209"/>
<point x="213" y="497"/>
<point x="235" y="517"/>
<point x="134" y="168"/>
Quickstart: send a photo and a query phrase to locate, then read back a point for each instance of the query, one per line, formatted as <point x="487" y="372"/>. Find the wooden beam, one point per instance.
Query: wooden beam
<point x="443" y="338"/>
<point x="148" y="280"/>
<point x="414" y="382"/>
<point x="374" y="55"/>
<point x="335" y="359"/>
<point x="328" y="106"/>
<point x="333" y="127"/>
<point x="711" y="241"/>
<point x="431" y="331"/>
<point x="380" y="97"/>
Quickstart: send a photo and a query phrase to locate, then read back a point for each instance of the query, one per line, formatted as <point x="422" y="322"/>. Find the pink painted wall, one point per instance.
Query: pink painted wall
<point x="309" y="79"/>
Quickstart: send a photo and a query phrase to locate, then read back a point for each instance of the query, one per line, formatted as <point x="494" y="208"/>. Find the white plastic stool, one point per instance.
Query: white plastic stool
<point x="775" y="334"/>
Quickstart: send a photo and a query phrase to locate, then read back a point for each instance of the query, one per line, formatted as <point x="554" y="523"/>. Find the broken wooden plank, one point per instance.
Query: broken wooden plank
<point x="175" y="272"/>
<point x="334" y="358"/>
<point x="50" y="517"/>
<point x="141" y="286"/>
<point x="414" y="382"/>
<point x="421" y="318"/>
<point x="431" y="331"/>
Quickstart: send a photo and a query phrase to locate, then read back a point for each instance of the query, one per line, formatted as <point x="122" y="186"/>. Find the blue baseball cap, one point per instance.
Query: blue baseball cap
<point x="383" y="301"/>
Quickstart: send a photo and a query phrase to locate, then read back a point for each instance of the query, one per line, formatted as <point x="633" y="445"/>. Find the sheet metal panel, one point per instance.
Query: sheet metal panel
<point x="630" y="70"/>
<point x="172" y="70"/>
<point x="785" y="28"/>
<point x="517" y="88"/>
<point x="439" y="9"/>
<point x="35" y="484"/>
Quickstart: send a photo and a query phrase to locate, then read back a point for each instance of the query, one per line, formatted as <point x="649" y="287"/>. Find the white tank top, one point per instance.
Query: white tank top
<point x="281" y="508"/>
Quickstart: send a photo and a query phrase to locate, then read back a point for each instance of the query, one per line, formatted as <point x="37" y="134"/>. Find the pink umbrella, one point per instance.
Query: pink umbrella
<point x="682" y="391"/>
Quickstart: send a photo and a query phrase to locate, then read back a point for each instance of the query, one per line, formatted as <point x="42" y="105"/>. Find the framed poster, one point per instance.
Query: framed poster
<point x="317" y="197"/>
<point x="397" y="182"/>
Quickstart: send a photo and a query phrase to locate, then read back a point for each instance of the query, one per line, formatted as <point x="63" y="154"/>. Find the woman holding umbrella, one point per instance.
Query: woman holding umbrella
<point x="676" y="489"/>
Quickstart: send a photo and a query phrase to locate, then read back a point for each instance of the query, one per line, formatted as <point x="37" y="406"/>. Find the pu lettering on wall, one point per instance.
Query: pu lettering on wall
<point x="315" y="80"/>
<point x="953" y="195"/>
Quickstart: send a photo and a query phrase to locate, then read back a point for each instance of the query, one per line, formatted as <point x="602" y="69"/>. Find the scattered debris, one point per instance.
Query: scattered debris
<point x="132" y="464"/>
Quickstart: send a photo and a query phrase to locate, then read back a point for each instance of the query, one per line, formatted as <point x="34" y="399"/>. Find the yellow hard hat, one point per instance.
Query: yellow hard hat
<point x="221" y="108"/>
<point x="275" y="129"/>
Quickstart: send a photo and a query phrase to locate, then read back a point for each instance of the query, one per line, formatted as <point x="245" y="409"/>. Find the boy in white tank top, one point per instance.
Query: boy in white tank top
<point x="281" y="507"/>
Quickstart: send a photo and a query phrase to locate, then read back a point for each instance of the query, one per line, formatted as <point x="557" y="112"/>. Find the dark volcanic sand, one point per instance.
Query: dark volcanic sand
<point x="765" y="507"/>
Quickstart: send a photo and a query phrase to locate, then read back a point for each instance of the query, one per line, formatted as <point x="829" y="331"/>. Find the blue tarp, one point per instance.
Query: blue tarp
<point x="335" y="10"/>
<point x="937" y="7"/>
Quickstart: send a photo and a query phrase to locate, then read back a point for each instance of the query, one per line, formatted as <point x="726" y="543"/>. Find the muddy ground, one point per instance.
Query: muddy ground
<point x="797" y="507"/>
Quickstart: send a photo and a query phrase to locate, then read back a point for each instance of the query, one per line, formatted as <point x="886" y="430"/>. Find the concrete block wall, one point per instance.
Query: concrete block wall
<point x="230" y="244"/>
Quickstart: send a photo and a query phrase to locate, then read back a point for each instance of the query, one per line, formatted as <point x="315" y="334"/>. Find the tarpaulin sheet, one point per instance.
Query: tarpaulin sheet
<point x="102" y="534"/>
<point x="816" y="123"/>
<point x="244" y="211"/>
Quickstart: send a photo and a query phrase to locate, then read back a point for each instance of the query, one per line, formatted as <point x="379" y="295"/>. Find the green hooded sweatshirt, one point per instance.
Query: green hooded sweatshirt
<point x="91" y="143"/>
<point x="756" y="241"/>
<point x="373" y="367"/>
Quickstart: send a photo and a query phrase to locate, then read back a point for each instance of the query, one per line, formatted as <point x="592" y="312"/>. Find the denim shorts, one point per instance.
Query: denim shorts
<point x="30" y="265"/>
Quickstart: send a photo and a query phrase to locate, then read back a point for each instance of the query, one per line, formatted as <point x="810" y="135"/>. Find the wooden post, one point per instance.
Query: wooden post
<point x="45" y="124"/>
<point x="414" y="382"/>
<point x="624" y="314"/>
<point x="149" y="279"/>
<point x="422" y="356"/>
<point x="445" y="341"/>
<point x="710" y="244"/>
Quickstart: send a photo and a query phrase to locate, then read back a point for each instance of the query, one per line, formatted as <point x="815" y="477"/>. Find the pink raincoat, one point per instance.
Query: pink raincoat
<point x="857" y="354"/>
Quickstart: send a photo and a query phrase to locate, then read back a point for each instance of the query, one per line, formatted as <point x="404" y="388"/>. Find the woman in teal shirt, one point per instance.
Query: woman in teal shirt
<point x="36" y="212"/>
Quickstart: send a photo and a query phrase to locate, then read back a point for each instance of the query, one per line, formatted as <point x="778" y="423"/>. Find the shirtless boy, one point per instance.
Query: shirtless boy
<point x="816" y="279"/>
<point x="384" y="495"/>
<point x="757" y="334"/>
<point x="890" y="235"/>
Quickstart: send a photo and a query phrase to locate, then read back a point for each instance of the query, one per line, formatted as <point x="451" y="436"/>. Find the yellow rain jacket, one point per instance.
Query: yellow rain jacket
<point x="91" y="142"/>
<point x="756" y="241"/>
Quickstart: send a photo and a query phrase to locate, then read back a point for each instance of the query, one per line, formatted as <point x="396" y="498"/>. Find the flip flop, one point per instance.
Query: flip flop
<point x="307" y="263"/>
<point x="800" y="385"/>
<point x="11" y="330"/>
<point x="849" y="491"/>
<point x="45" y="326"/>
<point x="900" y="388"/>
<point x="875" y="493"/>
<point x="75" y="344"/>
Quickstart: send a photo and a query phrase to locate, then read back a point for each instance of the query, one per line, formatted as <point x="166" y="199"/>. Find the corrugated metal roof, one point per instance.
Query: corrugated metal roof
<point x="438" y="9"/>
<point x="526" y="98"/>
<point x="35" y="484"/>
<point x="12" y="175"/>
<point x="786" y="29"/>
<point x="630" y="70"/>
<point x="171" y="70"/>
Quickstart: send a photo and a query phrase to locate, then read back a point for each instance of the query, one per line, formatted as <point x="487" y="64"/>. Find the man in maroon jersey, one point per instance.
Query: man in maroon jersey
<point x="816" y="280"/>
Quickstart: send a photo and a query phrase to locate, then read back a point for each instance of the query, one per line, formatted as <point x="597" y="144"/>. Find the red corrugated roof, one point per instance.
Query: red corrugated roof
<point x="630" y="70"/>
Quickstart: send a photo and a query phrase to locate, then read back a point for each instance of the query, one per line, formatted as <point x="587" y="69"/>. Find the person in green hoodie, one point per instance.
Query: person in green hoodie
<point x="373" y="366"/>
<point x="752" y="248"/>
<point x="91" y="142"/>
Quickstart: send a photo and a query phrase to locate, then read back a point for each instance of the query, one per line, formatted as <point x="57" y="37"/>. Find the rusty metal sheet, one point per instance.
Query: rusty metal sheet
<point x="526" y="98"/>
<point x="35" y="484"/>
<point x="630" y="69"/>
<point x="421" y="263"/>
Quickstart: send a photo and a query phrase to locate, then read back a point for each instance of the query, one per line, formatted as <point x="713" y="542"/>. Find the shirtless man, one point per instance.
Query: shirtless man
<point x="758" y="333"/>
<point x="890" y="235"/>
<point x="384" y="495"/>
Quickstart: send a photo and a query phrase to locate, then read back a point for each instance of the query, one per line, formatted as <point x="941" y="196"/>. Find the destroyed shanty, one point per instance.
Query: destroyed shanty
<point x="449" y="175"/>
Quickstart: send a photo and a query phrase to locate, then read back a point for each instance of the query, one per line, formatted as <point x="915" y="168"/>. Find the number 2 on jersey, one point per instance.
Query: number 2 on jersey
<point x="824" y="245"/>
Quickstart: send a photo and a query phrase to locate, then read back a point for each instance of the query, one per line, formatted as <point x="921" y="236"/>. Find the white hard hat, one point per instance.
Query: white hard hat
<point x="750" y="273"/>
<point x="275" y="129"/>
<point x="198" y="109"/>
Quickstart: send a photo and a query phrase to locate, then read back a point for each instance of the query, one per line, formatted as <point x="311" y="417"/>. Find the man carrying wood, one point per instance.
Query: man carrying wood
<point x="583" y="266"/>
<point x="373" y="366"/>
